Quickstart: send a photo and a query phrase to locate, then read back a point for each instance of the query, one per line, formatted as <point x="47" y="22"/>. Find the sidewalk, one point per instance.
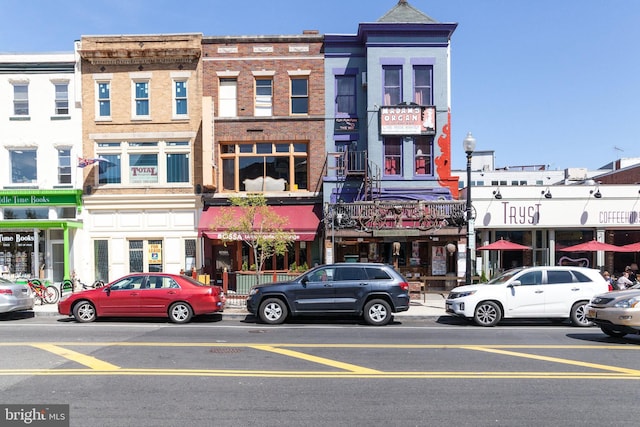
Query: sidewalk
<point x="428" y="306"/>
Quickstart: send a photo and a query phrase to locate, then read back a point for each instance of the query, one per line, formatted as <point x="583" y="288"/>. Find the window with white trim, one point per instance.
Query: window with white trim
<point x="228" y="97"/>
<point x="180" y="105"/>
<point x="264" y="97"/>
<point x="155" y="163"/>
<point x="64" y="166"/>
<point x="62" y="99"/>
<point x="20" y="99"/>
<point x="104" y="99"/>
<point x="24" y="168"/>
<point x="141" y="99"/>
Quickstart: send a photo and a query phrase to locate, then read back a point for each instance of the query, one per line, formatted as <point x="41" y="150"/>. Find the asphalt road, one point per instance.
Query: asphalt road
<point x="218" y="372"/>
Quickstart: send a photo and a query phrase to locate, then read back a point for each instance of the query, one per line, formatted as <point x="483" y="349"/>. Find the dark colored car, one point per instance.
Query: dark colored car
<point x="145" y="295"/>
<point x="371" y="290"/>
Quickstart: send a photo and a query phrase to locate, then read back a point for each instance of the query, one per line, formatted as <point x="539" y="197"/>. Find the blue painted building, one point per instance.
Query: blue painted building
<point x="388" y="171"/>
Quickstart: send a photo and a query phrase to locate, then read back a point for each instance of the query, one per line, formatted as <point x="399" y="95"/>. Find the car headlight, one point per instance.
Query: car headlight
<point x="627" y="303"/>
<point x="463" y="294"/>
<point x="254" y="291"/>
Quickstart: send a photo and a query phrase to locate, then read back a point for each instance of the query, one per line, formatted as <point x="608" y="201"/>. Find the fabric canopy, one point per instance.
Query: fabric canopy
<point x="633" y="247"/>
<point x="593" y="246"/>
<point x="302" y="220"/>
<point x="504" y="245"/>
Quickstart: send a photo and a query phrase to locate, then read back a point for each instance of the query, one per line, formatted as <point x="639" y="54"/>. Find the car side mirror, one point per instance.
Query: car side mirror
<point x="515" y="283"/>
<point x="305" y="280"/>
<point x="107" y="291"/>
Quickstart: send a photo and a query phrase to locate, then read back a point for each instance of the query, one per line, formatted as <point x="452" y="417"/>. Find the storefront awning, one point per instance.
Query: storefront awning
<point x="303" y="221"/>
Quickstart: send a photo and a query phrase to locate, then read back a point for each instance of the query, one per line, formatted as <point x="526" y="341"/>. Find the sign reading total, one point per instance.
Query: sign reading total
<point x="408" y="120"/>
<point x="138" y="174"/>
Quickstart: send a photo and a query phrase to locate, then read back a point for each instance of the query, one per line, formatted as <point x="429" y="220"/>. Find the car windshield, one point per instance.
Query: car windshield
<point x="504" y="277"/>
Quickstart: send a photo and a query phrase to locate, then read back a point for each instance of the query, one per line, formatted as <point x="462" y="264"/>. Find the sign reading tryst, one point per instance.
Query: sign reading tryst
<point x="408" y="120"/>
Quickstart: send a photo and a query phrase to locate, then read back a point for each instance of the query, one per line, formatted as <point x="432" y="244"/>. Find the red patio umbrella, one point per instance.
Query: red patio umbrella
<point x="504" y="245"/>
<point x="593" y="246"/>
<point x="632" y="247"/>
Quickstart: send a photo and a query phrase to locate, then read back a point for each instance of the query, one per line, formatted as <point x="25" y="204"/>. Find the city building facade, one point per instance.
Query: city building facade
<point x="267" y="101"/>
<point x="143" y="153"/>
<point x="40" y="189"/>
<point x="388" y="192"/>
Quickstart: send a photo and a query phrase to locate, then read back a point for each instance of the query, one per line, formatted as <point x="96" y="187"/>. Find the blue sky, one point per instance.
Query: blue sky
<point x="545" y="82"/>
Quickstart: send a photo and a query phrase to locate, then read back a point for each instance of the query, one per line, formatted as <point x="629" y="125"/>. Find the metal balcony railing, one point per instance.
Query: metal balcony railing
<point x="379" y="215"/>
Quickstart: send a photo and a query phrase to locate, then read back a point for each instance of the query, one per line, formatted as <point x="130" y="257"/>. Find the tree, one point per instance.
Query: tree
<point x="251" y="221"/>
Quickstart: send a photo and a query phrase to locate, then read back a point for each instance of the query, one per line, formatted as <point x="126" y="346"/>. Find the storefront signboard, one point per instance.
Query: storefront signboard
<point x="408" y="120"/>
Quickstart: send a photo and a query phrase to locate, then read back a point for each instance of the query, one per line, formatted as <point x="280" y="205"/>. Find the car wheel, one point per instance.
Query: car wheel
<point x="84" y="312"/>
<point x="612" y="332"/>
<point x="487" y="313"/>
<point x="377" y="312"/>
<point x="180" y="312"/>
<point x="273" y="311"/>
<point x="51" y="295"/>
<point x="579" y="314"/>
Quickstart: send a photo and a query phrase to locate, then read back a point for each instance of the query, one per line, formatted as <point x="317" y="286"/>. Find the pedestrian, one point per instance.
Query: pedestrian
<point x="623" y="281"/>
<point x="609" y="280"/>
<point x="633" y="272"/>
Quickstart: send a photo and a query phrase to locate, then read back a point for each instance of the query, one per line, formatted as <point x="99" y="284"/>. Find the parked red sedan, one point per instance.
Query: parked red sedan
<point x="145" y="295"/>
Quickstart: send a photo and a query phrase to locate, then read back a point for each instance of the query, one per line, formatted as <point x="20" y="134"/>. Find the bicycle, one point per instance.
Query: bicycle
<point x="46" y="294"/>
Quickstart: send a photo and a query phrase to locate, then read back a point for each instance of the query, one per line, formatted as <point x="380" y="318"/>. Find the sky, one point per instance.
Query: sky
<point x="545" y="82"/>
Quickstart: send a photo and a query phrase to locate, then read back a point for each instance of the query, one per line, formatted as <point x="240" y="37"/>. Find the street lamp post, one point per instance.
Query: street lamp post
<point x="469" y="144"/>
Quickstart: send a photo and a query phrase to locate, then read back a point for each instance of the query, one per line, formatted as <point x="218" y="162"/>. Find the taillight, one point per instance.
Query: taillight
<point x="404" y="286"/>
<point x="6" y="291"/>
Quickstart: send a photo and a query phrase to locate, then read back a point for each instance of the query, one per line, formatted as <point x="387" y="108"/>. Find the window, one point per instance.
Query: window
<point x="136" y="261"/>
<point x="101" y="259"/>
<point x="104" y="99"/>
<point x="299" y="95"/>
<point x="21" y="99"/>
<point x="345" y="95"/>
<point x="180" y="96"/>
<point x="64" y="166"/>
<point x="555" y="277"/>
<point x="392" y="75"/>
<point x="23" y="166"/>
<point x="141" y="98"/>
<point x="109" y="169"/>
<point x="264" y="166"/>
<point x="143" y="168"/>
<point x="531" y="278"/>
<point x="264" y="97"/>
<point x="392" y="156"/>
<point x="144" y="162"/>
<point x="422" y="153"/>
<point x="228" y="98"/>
<point x="62" y="99"/>
<point x="422" y="84"/>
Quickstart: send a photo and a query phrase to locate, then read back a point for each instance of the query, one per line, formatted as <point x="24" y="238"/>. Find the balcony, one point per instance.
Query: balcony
<point x="395" y="215"/>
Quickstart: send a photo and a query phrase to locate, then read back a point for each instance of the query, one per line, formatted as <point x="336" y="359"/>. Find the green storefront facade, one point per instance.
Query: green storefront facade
<point x="37" y="229"/>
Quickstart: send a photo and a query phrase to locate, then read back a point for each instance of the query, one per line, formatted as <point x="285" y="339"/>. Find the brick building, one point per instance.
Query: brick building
<point x="267" y="100"/>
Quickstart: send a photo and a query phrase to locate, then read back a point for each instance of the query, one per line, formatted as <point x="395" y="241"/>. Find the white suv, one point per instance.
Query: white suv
<point x="529" y="292"/>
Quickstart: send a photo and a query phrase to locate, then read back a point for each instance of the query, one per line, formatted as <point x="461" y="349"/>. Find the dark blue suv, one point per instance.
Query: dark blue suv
<point x="371" y="290"/>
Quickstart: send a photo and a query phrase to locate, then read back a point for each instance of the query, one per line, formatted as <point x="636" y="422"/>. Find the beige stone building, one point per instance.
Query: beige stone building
<point x="144" y="152"/>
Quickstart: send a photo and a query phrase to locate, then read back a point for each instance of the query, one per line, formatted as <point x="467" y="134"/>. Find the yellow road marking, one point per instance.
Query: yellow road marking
<point x="558" y="360"/>
<point x="80" y="358"/>
<point x="313" y="374"/>
<point x="316" y="359"/>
